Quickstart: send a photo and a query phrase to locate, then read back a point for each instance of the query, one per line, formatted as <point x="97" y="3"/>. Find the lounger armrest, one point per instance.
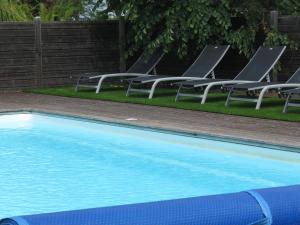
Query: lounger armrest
<point x="89" y="76"/>
<point x="274" y="86"/>
<point x="278" y="86"/>
<point x="119" y="75"/>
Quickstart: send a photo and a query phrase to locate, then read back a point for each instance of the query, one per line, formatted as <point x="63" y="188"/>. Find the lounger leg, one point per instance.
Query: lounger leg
<point x="100" y="84"/>
<point x="213" y="76"/>
<point x="128" y="89"/>
<point x="205" y="94"/>
<point x="260" y="98"/>
<point x="229" y="97"/>
<point x="77" y="85"/>
<point x="178" y="93"/>
<point x="154" y="70"/>
<point x="286" y="105"/>
<point x="153" y="89"/>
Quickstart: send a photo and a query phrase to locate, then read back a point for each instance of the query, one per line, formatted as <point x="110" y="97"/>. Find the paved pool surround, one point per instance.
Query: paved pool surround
<point x="245" y="128"/>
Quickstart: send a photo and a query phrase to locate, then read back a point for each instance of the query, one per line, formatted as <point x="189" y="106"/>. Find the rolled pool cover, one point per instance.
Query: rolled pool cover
<point x="276" y="206"/>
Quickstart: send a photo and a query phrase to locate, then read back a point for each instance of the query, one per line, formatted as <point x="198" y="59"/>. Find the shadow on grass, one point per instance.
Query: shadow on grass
<point x="105" y="89"/>
<point x="268" y="102"/>
<point x="211" y="99"/>
<point x="158" y="94"/>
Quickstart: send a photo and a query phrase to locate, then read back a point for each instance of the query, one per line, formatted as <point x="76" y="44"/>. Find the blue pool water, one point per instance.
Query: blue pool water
<point x="50" y="163"/>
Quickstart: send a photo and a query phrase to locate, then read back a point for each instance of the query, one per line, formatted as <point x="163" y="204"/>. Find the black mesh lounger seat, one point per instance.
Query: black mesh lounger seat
<point x="256" y="70"/>
<point x="293" y="93"/>
<point x="142" y="67"/>
<point x="203" y="67"/>
<point x="251" y="89"/>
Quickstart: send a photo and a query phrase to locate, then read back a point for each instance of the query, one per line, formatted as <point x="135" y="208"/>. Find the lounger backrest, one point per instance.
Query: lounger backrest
<point x="261" y="63"/>
<point x="146" y="63"/>
<point x="295" y="78"/>
<point x="206" y="62"/>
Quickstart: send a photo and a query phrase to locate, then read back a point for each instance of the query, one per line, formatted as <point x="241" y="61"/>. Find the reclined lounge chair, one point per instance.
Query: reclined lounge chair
<point x="256" y="70"/>
<point x="142" y="67"/>
<point x="290" y="94"/>
<point x="203" y="66"/>
<point x="262" y="88"/>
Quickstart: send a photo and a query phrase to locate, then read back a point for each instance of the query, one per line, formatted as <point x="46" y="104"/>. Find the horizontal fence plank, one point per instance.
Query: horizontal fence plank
<point x="7" y="26"/>
<point x="288" y="29"/>
<point x="17" y="54"/>
<point x="16" y="61"/>
<point x="74" y="73"/>
<point x="77" y="39"/>
<point x="54" y="73"/>
<point x="16" y="76"/>
<point x="16" y="46"/>
<point x="85" y="67"/>
<point x="16" y="33"/>
<point x="73" y="60"/>
<point x="16" y="40"/>
<point x="8" y="70"/>
<point x="70" y="46"/>
<point x="69" y="55"/>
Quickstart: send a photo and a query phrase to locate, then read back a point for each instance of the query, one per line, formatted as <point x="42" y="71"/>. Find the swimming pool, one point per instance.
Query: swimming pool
<point x="50" y="163"/>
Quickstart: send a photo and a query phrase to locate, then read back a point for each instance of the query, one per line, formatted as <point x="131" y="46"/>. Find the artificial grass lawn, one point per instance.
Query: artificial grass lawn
<point x="271" y="108"/>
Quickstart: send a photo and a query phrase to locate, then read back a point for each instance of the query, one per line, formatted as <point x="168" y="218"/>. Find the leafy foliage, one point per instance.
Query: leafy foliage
<point x="60" y="10"/>
<point x="289" y="7"/>
<point x="101" y="9"/>
<point x="189" y="23"/>
<point x="174" y="24"/>
<point x="13" y="10"/>
<point x="48" y="10"/>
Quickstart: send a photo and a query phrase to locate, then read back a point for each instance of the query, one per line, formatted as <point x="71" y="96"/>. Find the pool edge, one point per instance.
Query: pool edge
<point x="182" y="132"/>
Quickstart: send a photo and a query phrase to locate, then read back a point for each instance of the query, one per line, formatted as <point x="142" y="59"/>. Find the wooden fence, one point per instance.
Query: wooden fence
<point x="290" y="25"/>
<point x="54" y="54"/>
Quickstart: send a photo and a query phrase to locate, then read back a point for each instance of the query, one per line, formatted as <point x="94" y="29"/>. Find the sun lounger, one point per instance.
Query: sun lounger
<point x="251" y="89"/>
<point x="142" y="67"/>
<point x="290" y="95"/>
<point x="203" y="67"/>
<point x="256" y="70"/>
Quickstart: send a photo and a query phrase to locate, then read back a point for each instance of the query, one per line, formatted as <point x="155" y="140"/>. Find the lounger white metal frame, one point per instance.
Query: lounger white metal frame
<point x="178" y="78"/>
<point x="157" y="81"/>
<point x="288" y="103"/>
<point x="263" y="90"/>
<point x="211" y="84"/>
<point x="102" y="77"/>
<point x="275" y="86"/>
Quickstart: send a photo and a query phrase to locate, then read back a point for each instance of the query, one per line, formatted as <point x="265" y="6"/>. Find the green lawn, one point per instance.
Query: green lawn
<point x="272" y="107"/>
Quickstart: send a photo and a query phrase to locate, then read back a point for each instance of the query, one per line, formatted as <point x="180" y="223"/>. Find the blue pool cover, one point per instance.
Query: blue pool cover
<point x="276" y="206"/>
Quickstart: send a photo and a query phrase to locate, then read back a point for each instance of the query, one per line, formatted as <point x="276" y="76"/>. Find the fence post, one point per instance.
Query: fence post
<point x="122" y="43"/>
<point x="274" y="19"/>
<point x="274" y="25"/>
<point x="38" y="51"/>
